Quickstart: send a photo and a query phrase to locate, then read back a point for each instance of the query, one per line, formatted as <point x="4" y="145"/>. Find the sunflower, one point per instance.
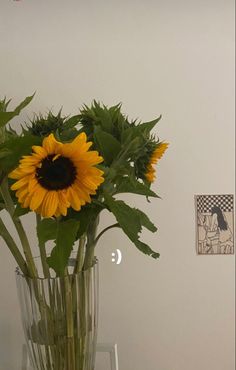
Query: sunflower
<point x="57" y="176"/>
<point x="155" y="156"/>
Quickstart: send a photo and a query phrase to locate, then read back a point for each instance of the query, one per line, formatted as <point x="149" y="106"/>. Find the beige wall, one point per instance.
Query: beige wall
<point x="170" y="57"/>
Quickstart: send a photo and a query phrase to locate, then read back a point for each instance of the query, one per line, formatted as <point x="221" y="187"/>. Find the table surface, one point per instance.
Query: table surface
<point x="110" y="348"/>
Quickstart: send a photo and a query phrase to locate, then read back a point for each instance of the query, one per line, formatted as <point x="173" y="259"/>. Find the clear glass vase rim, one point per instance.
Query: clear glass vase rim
<point x="18" y="272"/>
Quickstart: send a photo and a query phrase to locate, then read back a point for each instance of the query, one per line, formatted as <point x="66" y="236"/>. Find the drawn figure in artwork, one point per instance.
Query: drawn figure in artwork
<point x="202" y="232"/>
<point x="219" y="233"/>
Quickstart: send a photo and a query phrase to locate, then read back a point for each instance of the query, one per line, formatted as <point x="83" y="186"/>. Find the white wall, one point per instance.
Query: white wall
<point x="170" y="57"/>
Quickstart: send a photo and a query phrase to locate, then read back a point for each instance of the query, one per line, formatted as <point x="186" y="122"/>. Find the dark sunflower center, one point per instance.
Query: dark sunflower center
<point x="56" y="174"/>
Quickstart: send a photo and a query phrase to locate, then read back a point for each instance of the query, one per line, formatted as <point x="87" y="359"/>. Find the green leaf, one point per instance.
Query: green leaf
<point x="146" y="249"/>
<point x="47" y="230"/>
<point x="145" y="221"/>
<point x="16" y="147"/>
<point x="4" y="153"/>
<point x="129" y="185"/>
<point x="107" y="145"/>
<point x="131" y="221"/>
<point x="66" y="236"/>
<point x="23" y="104"/>
<point x="4" y="104"/>
<point x="7" y="116"/>
<point x="19" y="211"/>
<point x="85" y="216"/>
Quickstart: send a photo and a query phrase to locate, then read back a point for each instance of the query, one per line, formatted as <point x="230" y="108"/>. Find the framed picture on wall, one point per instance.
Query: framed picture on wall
<point x="214" y="224"/>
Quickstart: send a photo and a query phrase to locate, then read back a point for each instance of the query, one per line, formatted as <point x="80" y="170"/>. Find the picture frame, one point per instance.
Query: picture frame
<point x="214" y="216"/>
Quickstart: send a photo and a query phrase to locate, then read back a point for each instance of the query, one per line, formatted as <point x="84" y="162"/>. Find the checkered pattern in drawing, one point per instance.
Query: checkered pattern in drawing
<point x="206" y="202"/>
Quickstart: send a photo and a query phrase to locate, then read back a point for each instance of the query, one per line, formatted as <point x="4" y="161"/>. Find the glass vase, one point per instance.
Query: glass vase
<point x="60" y="319"/>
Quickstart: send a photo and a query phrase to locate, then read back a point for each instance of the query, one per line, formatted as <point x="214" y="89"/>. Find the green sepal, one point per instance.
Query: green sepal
<point x="72" y="121"/>
<point x="131" y="148"/>
<point x="107" y="145"/>
<point x="103" y="116"/>
<point x="146" y="127"/>
<point x="68" y="135"/>
<point x="142" y="131"/>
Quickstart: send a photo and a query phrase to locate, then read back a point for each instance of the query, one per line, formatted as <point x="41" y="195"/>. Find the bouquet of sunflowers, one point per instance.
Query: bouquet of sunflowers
<point x="68" y="170"/>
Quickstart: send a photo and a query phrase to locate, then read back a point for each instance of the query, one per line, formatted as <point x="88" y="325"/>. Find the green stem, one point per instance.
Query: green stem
<point x="103" y="231"/>
<point x="90" y="246"/>
<point x="83" y="319"/>
<point x="70" y="325"/>
<point x="18" y="225"/>
<point x="43" y="253"/>
<point x="80" y="255"/>
<point x="89" y="256"/>
<point x="77" y="277"/>
<point x="13" y="248"/>
<point x="2" y="134"/>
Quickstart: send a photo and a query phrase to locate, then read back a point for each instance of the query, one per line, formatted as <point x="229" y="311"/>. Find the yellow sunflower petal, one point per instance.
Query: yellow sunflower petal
<point x="80" y="139"/>
<point x="91" y="158"/>
<point x="159" y="151"/>
<point x="50" y="204"/>
<point x="93" y="171"/>
<point x="32" y="184"/>
<point x="51" y="145"/>
<point x="150" y="174"/>
<point x="94" y="175"/>
<point x="40" y="151"/>
<point x="37" y="197"/>
<point x="63" y="204"/>
<point x="62" y="198"/>
<point x="18" y="184"/>
<point x="26" y="169"/>
<point x="26" y="202"/>
<point x="58" y="212"/>
<point x="92" y="182"/>
<point x="22" y="193"/>
<point x="94" y="157"/>
<point x="75" y="151"/>
<point x="74" y="198"/>
<point x="16" y="174"/>
<point x="82" y="192"/>
<point x="29" y="160"/>
<point x="77" y="147"/>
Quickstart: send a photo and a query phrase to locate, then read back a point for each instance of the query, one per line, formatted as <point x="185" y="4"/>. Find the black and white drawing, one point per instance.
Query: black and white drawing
<point x="215" y="224"/>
